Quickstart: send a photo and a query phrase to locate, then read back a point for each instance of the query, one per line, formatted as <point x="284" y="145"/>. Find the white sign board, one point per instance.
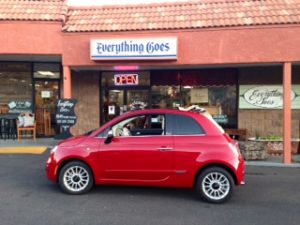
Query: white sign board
<point x="111" y="110"/>
<point x="266" y="97"/>
<point x="199" y="95"/>
<point x="46" y="94"/>
<point x="134" y="48"/>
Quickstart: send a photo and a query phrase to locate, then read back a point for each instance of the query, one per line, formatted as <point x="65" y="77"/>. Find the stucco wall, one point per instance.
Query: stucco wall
<point x="17" y="38"/>
<point x="200" y="47"/>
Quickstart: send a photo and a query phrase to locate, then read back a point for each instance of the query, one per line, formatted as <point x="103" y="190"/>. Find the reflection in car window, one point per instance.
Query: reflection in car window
<point x="143" y="125"/>
<point x="187" y="126"/>
<point x="104" y="133"/>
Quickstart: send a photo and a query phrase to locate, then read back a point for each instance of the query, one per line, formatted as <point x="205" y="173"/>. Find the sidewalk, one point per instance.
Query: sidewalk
<point x="45" y="142"/>
<point x="26" y="146"/>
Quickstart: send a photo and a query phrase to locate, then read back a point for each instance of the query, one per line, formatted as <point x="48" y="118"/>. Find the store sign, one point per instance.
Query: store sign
<point x="19" y="106"/>
<point x="138" y="49"/>
<point x="266" y="97"/>
<point x="65" y="116"/>
<point x="126" y="79"/>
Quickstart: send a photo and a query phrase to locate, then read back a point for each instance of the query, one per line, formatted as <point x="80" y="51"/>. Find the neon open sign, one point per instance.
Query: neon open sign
<point x="126" y="79"/>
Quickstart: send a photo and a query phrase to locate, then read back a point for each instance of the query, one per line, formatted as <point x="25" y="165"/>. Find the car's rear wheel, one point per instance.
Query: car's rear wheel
<point x="75" y="178"/>
<point x="214" y="185"/>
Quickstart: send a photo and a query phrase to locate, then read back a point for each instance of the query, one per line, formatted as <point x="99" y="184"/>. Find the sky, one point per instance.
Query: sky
<point x="115" y="2"/>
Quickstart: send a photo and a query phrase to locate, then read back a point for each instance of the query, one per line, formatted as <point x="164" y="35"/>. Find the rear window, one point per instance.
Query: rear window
<point x="185" y="125"/>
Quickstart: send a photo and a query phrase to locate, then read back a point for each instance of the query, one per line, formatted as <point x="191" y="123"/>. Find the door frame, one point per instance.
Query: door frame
<point x="35" y="80"/>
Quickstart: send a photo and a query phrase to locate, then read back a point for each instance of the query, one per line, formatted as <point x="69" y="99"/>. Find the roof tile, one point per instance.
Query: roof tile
<point x="43" y="10"/>
<point x="184" y="15"/>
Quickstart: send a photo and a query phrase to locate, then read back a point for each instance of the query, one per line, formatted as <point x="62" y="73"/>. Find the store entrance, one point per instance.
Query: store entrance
<point x="116" y="101"/>
<point x="46" y="96"/>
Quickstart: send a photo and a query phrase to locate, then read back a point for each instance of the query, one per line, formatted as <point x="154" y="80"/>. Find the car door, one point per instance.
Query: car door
<point x="189" y="142"/>
<point x="143" y="157"/>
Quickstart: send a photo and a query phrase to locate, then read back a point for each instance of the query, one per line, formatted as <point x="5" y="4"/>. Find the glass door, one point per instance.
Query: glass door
<point x="123" y="91"/>
<point x="46" y="96"/>
<point x="115" y="102"/>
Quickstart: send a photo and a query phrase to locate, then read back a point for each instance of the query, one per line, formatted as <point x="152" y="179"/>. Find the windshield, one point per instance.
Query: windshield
<point x="89" y="132"/>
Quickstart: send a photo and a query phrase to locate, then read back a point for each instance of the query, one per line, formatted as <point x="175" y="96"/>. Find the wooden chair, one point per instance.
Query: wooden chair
<point x="4" y="109"/>
<point x="21" y="130"/>
<point x="43" y="122"/>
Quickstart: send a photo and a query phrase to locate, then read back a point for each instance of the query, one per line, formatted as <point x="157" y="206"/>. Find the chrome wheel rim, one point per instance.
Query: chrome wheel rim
<point x="76" y="178"/>
<point x="216" y="186"/>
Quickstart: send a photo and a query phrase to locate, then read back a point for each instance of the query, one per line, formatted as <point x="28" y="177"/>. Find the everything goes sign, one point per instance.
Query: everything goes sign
<point x="266" y="97"/>
<point x="138" y="49"/>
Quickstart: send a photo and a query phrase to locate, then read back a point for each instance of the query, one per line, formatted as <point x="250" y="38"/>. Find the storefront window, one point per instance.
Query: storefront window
<point x="165" y="96"/>
<point x="214" y="90"/>
<point x="220" y="102"/>
<point x="15" y="86"/>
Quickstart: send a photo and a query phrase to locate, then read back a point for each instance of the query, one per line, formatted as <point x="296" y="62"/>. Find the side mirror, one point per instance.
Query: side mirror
<point x="109" y="137"/>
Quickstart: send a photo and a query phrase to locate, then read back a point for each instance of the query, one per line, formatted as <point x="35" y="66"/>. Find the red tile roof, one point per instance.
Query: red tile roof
<point x="184" y="15"/>
<point x="42" y="10"/>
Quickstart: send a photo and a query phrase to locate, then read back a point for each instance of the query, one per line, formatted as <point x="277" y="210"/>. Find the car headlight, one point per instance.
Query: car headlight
<point x="53" y="149"/>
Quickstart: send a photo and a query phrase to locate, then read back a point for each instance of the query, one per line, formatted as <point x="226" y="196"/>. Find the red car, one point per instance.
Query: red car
<point x="153" y="147"/>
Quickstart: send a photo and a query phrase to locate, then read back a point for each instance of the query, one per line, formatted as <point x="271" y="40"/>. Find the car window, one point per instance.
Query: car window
<point x="142" y="125"/>
<point x="185" y="125"/>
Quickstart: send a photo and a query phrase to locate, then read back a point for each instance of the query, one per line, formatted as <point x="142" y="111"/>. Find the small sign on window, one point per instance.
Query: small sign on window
<point x="46" y="94"/>
<point x="111" y="110"/>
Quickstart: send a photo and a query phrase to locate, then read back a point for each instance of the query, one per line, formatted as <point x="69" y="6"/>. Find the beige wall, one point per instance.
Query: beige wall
<point x="267" y="122"/>
<point x="85" y="88"/>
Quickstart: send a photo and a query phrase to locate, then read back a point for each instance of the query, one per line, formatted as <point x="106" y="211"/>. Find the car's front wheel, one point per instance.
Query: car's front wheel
<point x="214" y="185"/>
<point x="75" y="178"/>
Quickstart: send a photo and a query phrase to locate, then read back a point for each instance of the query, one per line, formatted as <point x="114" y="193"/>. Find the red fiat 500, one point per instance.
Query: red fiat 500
<point x="155" y="147"/>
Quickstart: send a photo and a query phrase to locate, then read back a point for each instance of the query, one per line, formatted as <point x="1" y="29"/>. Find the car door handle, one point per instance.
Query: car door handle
<point x="164" y="149"/>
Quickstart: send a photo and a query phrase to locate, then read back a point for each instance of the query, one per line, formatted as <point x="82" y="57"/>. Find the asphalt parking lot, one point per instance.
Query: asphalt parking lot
<point x="270" y="196"/>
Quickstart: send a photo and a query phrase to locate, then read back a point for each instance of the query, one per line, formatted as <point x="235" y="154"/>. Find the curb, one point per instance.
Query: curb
<point x="272" y="164"/>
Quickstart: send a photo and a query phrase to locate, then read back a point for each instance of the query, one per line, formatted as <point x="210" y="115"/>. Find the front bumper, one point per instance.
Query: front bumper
<point x="51" y="168"/>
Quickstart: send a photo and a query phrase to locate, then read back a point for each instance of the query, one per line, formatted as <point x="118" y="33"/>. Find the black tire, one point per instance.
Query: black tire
<point x="75" y="178"/>
<point x="214" y="185"/>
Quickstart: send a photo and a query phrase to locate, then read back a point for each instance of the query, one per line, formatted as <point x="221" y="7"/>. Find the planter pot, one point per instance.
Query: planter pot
<point x="276" y="147"/>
